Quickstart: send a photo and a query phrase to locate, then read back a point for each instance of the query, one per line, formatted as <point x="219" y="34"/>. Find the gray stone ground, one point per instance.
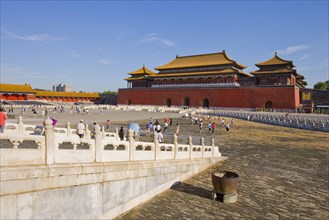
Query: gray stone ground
<point x="282" y="177"/>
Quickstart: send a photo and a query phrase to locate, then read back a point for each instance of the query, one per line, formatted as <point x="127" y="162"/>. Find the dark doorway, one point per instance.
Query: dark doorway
<point x="269" y="105"/>
<point x="129" y="101"/>
<point x="168" y="102"/>
<point x="205" y="103"/>
<point x="186" y="101"/>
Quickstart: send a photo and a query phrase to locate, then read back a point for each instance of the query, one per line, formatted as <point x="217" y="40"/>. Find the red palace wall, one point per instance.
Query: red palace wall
<point x="15" y="97"/>
<point x="242" y="97"/>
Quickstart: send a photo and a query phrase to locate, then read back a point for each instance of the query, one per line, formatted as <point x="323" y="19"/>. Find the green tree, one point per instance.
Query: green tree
<point x="109" y="93"/>
<point x="322" y="85"/>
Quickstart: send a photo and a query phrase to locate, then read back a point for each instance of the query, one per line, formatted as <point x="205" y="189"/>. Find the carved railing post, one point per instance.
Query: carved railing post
<point x="88" y="136"/>
<point x="103" y="132"/>
<point x="20" y="127"/>
<point x="131" y="144"/>
<point x="98" y="143"/>
<point x="156" y="145"/>
<point x="117" y="134"/>
<point x="212" y="147"/>
<point x="175" y="142"/>
<point x="191" y="146"/>
<point x="68" y="127"/>
<point x="49" y="141"/>
<point x="202" y="146"/>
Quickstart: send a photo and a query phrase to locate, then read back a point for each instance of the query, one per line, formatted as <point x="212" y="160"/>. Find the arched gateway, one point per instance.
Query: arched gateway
<point x="186" y="101"/>
<point x="205" y="103"/>
<point x="168" y="102"/>
<point x="269" y="105"/>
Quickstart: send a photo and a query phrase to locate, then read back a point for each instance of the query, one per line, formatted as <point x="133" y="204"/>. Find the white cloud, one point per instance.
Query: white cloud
<point x="33" y="37"/>
<point x="121" y="35"/>
<point x="104" y="61"/>
<point x="304" y="57"/>
<point x="155" y="38"/>
<point x="74" y="54"/>
<point x="293" y="49"/>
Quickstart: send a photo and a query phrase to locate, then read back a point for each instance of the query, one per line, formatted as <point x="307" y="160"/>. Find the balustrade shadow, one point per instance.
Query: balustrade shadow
<point x="192" y="190"/>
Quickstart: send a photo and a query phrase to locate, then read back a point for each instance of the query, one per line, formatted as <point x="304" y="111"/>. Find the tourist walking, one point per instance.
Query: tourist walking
<point x="232" y="122"/>
<point x="94" y="129"/>
<point x="213" y="126"/>
<point x="200" y="126"/>
<point x="165" y="127"/>
<point x="121" y="133"/>
<point x="158" y="128"/>
<point x="148" y="129"/>
<point x="108" y="123"/>
<point x="209" y="127"/>
<point x="3" y="119"/>
<point x="227" y="127"/>
<point x="81" y="129"/>
<point x="160" y="137"/>
<point x="170" y="122"/>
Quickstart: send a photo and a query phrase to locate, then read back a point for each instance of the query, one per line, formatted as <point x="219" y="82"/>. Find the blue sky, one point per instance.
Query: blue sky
<point x="92" y="45"/>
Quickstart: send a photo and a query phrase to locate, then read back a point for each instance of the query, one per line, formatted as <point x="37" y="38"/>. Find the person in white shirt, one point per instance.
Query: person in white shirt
<point x="165" y="127"/>
<point x="227" y="127"/>
<point x="81" y="129"/>
<point x="160" y="137"/>
<point x="158" y="128"/>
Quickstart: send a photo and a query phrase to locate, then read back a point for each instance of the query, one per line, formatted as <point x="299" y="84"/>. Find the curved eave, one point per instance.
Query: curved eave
<point x="222" y="72"/>
<point x="135" y="78"/>
<point x="274" y="72"/>
<point x="241" y="65"/>
<point x="166" y="66"/>
<point x="211" y="59"/>
<point x="276" y="60"/>
<point x="67" y="94"/>
<point x="143" y="70"/>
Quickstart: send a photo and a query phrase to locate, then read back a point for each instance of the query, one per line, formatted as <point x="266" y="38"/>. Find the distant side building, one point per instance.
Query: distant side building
<point x="16" y="92"/>
<point x="62" y="88"/>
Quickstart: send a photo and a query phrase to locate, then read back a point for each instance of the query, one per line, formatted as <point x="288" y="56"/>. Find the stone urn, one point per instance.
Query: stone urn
<point x="225" y="184"/>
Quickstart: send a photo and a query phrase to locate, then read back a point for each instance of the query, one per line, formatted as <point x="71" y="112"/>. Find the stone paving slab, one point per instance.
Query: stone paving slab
<point x="284" y="175"/>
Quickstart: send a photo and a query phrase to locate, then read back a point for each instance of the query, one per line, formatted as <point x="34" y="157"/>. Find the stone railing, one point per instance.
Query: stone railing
<point x="21" y="146"/>
<point x="280" y="119"/>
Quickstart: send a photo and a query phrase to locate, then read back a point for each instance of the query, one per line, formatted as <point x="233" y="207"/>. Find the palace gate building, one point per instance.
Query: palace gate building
<point x="215" y="80"/>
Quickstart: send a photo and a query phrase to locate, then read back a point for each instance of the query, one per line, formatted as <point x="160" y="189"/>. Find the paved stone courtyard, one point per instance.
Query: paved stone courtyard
<point x="284" y="175"/>
<point x="284" y="171"/>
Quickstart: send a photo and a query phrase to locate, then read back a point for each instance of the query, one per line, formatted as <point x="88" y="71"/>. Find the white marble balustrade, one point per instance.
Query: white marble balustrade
<point x="21" y="147"/>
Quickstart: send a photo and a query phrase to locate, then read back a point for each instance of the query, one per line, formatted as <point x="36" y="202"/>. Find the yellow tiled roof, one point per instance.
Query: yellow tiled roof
<point x="224" y="71"/>
<point x="274" y="61"/>
<point x="277" y="71"/>
<point x="67" y="94"/>
<point x="143" y="70"/>
<point x="200" y="60"/>
<point x="134" y="78"/>
<point x="26" y="88"/>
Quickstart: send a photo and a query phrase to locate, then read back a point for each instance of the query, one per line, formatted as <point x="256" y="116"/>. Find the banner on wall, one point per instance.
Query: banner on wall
<point x="306" y="96"/>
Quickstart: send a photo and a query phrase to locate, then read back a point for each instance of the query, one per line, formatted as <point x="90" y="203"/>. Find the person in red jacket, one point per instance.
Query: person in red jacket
<point x="213" y="126"/>
<point x="3" y="118"/>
